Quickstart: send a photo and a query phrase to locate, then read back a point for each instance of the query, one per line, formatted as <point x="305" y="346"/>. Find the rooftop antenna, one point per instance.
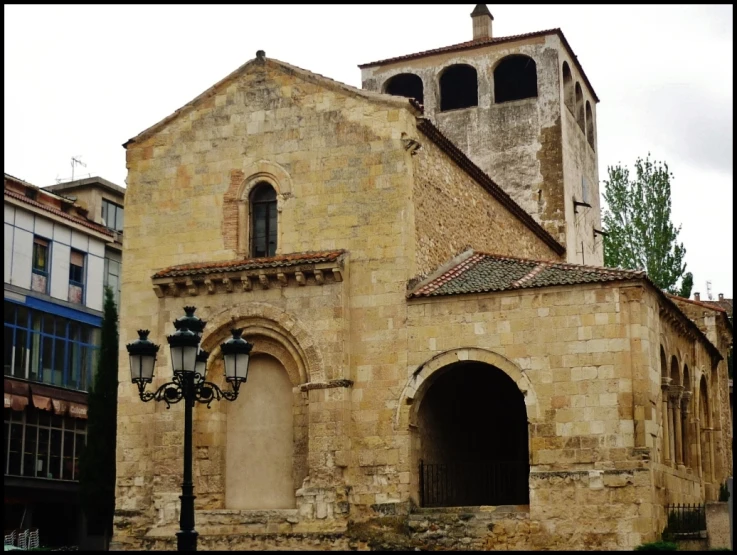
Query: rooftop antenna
<point x="708" y="291"/>
<point x="76" y="161"/>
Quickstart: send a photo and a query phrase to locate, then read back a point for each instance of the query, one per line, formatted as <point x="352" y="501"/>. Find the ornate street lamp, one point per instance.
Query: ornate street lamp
<point x="189" y="365"/>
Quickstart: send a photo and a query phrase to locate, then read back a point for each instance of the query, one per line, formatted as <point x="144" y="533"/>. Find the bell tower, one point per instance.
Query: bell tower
<point x="523" y="110"/>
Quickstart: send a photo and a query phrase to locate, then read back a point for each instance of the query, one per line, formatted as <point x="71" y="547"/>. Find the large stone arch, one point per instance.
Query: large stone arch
<point x="278" y="336"/>
<point x="282" y="334"/>
<point x="416" y="386"/>
<point x="446" y="436"/>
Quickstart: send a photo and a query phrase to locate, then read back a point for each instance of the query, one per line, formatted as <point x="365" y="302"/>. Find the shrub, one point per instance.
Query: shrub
<point x="723" y="492"/>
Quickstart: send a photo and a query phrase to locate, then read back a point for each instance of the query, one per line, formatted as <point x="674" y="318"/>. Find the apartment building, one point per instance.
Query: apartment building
<point x="60" y="250"/>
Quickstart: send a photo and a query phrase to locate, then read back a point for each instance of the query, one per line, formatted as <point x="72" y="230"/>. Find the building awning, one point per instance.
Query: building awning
<point x="15" y="394"/>
<point x="53" y="399"/>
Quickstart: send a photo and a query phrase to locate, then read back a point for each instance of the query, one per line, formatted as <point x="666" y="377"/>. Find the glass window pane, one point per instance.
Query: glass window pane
<point x="68" y="456"/>
<point x="73" y="365"/>
<point x="16" y="443"/>
<point x="29" y="451"/>
<point x="8" y="351"/>
<point x="9" y="313"/>
<point x="119" y="219"/>
<point x="59" y="358"/>
<point x="42" y="462"/>
<point x="51" y="372"/>
<point x="35" y="358"/>
<point x="55" y="459"/>
<point x="48" y="324"/>
<point x="85" y="367"/>
<point x="22" y="317"/>
<point x="21" y="354"/>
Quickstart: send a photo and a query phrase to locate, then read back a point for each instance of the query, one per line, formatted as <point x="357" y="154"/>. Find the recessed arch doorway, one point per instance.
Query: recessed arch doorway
<point x="471" y="439"/>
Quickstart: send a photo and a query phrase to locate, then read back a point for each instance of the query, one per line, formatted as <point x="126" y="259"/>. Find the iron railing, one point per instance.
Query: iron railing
<point x="474" y="483"/>
<point x="684" y="519"/>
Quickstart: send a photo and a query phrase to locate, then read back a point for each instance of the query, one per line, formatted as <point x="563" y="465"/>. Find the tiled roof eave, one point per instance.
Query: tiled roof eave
<point x="249" y="274"/>
<point x="469" y="45"/>
<point x="17" y="197"/>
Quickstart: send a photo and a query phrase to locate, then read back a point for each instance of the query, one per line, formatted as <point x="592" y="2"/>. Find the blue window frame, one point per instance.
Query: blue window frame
<point x="48" y="348"/>
<point x="40" y="265"/>
<point x="76" y="277"/>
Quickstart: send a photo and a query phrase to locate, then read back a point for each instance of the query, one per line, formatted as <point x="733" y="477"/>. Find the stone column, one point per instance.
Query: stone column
<point x="697" y="451"/>
<point x="674" y="394"/>
<point x="664" y="384"/>
<point x="685" y="401"/>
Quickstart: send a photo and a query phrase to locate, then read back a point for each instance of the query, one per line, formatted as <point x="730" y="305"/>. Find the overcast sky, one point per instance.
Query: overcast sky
<point x="81" y="80"/>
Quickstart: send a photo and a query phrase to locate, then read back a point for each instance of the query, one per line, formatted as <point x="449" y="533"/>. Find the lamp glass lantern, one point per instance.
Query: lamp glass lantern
<point x="183" y="345"/>
<point x="236" y="353"/>
<point x="201" y="363"/>
<point x="142" y="355"/>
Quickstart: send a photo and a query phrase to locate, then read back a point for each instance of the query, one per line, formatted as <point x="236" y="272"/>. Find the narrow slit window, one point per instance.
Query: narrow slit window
<point x="263" y="221"/>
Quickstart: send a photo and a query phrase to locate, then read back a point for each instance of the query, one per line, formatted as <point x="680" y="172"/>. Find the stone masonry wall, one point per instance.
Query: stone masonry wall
<point x="453" y="212"/>
<point x="529" y="146"/>
<point x="350" y="180"/>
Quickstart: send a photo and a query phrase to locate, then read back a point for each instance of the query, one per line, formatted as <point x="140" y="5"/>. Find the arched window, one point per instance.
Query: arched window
<point x="579" y="106"/>
<point x="568" y="94"/>
<point x="405" y="84"/>
<point x="263" y="220"/>
<point x="589" y="124"/>
<point x="458" y="87"/>
<point x="515" y="78"/>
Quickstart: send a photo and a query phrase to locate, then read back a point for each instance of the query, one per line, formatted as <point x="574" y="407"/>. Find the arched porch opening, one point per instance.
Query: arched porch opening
<point x="470" y="441"/>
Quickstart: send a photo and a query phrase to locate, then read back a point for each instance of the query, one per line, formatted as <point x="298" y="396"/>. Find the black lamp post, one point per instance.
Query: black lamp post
<point x="188" y="384"/>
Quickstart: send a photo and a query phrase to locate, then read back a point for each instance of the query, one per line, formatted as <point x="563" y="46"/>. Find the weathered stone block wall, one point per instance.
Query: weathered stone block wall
<point x="350" y="181"/>
<point x="580" y="160"/>
<point x="453" y="212"/>
<point x="527" y="146"/>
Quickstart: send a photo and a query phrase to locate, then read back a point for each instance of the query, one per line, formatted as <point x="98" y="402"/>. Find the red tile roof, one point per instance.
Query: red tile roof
<point x="59" y="213"/>
<point x="482" y="272"/>
<point x="478" y="43"/>
<point x="479" y="272"/>
<point x="279" y="261"/>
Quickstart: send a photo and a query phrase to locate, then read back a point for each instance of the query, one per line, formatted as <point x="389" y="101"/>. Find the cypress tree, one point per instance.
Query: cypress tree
<point x="97" y="462"/>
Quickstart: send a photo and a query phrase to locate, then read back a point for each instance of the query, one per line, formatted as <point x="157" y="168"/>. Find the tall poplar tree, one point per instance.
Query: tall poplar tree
<point x="641" y="235"/>
<point x="97" y="462"/>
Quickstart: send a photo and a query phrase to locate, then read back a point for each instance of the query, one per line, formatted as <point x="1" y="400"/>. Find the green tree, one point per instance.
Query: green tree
<point x="686" y="286"/>
<point x="97" y="462"/>
<point x="637" y="219"/>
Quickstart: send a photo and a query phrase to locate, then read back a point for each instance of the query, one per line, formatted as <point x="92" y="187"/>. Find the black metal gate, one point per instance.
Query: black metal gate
<point x="474" y="483"/>
<point x="685" y="520"/>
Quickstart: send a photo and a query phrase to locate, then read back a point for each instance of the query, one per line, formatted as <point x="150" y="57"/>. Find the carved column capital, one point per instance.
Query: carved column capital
<point x="674" y="394"/>
<point x="685" y="401"/>
<point x="665" y="383"/>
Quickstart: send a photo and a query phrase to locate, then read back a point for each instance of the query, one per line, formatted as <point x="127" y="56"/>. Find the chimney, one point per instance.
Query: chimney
<point x="697" y="296"/>
<point x="482" y="18"/>
<point x="721" y="296"/>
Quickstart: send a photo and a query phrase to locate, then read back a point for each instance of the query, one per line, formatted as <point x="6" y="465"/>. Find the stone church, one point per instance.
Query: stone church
<point x="440" y="359"/>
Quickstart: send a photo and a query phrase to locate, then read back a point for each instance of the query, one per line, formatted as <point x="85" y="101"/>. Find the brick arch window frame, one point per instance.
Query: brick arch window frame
<point x="263" y="215"/>
<point x="245" y="210"/>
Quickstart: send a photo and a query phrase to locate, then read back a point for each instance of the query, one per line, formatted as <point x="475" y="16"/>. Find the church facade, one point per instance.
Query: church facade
<point x="439" y="358"/>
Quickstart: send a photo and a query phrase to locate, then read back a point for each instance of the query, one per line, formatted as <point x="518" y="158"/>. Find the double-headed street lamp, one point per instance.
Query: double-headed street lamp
<point x="188" y="384"/>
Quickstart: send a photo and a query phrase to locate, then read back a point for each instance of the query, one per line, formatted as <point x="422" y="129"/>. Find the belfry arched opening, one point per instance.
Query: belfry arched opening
<point x="471" y="441"/>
